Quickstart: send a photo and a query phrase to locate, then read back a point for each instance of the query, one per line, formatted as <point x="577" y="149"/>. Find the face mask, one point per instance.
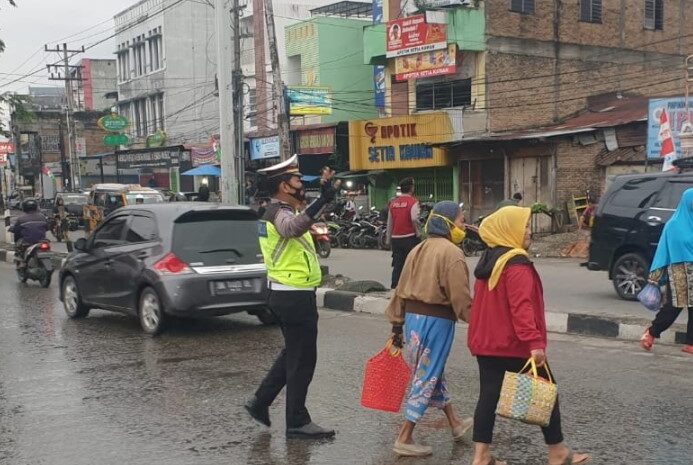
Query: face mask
<point x="298" y="194"/>
<point x="457" y="234"/>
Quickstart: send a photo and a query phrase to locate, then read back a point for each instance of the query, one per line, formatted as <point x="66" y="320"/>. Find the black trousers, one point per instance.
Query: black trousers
<point x="491" y="373"/>
<point x="294" y="367"/>
<point x="666" y="317"/>
<point x="400" y="249"/>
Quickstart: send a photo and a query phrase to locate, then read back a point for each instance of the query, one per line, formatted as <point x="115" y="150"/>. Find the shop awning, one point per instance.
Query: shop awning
<point x="354" y="175"/>
<point x="204" y="170"/>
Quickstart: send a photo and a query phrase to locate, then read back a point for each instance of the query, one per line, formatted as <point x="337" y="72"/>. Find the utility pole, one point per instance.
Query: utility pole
<point x="282" y="114"/>
<point x="64" y="165"/>
<point x="238" y="99"/>
<point x="72" y="155"/>
<point x="225" y="53"/>
<point x="260" y="65"/>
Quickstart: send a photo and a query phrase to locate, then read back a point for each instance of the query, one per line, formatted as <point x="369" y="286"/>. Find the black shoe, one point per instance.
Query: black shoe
<point x="258" y="412"/>
<point x="309" y="431"/>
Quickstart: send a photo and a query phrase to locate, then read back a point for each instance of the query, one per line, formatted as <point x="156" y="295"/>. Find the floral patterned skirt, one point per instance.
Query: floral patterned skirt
<point x="428" y="343"/>
<point x="679" y="277"/>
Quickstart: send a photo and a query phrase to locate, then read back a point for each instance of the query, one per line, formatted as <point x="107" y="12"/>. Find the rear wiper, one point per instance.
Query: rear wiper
<point x="222" y="250"/>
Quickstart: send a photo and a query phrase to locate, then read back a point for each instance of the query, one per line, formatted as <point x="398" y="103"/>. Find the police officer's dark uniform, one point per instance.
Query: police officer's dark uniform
<point x="293" y="274"/>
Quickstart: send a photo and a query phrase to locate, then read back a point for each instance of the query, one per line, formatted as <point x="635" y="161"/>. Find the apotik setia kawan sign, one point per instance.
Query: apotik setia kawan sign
<point x="399" y="142"/>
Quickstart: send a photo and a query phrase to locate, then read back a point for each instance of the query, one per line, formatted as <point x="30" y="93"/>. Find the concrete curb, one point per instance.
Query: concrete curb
<point x="626" y="328"/>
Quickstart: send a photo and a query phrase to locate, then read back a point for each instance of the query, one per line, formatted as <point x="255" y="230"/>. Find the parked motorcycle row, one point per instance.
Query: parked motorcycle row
<point x="369" y="231"/>
<point x="365" y="231"/>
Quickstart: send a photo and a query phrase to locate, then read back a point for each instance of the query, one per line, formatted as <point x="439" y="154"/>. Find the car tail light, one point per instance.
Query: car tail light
<point x="44" y="246"/>
<point x="171" y="265"/>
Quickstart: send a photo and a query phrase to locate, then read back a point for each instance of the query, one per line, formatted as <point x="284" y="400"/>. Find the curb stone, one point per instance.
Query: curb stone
<point x="625" y="328"/>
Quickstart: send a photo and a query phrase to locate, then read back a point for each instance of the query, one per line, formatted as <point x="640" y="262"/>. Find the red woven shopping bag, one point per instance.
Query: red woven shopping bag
<point x="385" y="380"/>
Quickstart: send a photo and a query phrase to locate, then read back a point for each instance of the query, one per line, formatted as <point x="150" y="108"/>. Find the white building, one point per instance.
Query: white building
<point x="166" y="54"/>
<point x="285" y="14"/>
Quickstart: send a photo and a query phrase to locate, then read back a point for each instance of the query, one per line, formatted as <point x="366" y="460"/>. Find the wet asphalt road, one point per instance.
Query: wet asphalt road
<point x="97" y="391"/>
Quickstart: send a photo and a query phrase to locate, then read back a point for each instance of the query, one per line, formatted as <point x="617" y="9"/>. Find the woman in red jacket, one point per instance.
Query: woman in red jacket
<point x="507" y="327"/>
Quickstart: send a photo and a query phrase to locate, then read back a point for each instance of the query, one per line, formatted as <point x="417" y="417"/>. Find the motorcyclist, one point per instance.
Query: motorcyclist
<point x="30" y="228"/>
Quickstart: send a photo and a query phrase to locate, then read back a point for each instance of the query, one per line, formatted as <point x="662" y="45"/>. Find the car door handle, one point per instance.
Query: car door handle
<point x="654" y="220"/>
<point x="142" y="255"/>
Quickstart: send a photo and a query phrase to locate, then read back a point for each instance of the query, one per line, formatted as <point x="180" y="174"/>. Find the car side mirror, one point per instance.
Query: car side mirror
<point x="81" y="244"/>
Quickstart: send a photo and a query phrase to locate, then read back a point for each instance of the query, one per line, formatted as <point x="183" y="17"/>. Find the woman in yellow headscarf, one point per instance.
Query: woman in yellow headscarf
<point x="507" y="327"/>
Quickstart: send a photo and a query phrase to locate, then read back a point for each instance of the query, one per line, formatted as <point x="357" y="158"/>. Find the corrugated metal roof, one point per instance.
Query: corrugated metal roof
<point x="608" y="113"/>
<point x="622" y="154"/>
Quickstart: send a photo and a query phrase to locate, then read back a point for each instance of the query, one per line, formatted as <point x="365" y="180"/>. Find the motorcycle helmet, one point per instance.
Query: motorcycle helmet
<point x="29" y="205"/>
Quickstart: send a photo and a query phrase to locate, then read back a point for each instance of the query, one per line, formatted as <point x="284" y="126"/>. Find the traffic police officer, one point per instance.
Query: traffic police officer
<point x="293" y="274"/>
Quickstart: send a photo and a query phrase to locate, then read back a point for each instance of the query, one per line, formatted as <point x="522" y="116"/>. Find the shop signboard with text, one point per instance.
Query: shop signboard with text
<point x="406" y="36"/>
<point x="264" y="147"/>
<point x="427" y="64"/>
<point x="316" y="141"/>
<point x="399" y="142"/>
<point x="148" y="159"/>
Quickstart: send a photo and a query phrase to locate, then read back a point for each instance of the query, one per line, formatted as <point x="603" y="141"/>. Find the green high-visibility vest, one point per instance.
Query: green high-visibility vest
<point x="290" y="261"/>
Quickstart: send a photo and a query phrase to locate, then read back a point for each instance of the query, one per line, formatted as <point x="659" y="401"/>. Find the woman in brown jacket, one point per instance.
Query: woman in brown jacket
<point x="432" y="294"/>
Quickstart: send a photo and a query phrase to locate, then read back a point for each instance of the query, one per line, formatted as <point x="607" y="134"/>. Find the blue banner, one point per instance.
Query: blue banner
<point x="378" y="70"/>
<point x="264" y="147"/>
<point x="675" y="108"/>
<point x="377" y="11"/>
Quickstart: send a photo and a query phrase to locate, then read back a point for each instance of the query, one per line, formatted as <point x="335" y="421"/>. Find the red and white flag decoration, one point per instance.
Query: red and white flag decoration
<point x="667" y="149"/>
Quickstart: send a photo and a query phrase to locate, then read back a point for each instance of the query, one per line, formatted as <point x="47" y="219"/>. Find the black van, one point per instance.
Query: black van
<point x="628" y="224"/>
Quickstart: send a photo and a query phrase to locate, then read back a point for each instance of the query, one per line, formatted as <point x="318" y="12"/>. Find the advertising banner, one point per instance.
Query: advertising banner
<point x="673" y="112"/>
<point x="309" y="101"/>
<point x="6" y="147"/>
<point x="203" y="156"/>
<point x="406" y="36"/>
<point x="264" y="147"/>
<point x="428" y="64"/>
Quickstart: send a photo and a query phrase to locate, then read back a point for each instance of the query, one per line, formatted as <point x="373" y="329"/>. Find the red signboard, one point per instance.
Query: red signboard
<point x="6" y="147"/>
<point x="413" y="35"/>
<point x="316" y="141"/>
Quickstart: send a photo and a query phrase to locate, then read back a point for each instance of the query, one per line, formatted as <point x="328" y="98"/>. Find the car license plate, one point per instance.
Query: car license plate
<point x="232" y="286"/>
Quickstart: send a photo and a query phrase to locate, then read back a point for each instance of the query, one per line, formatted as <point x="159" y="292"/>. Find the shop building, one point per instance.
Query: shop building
<point x="528" y="86"/>
<point x="387" y="150"/>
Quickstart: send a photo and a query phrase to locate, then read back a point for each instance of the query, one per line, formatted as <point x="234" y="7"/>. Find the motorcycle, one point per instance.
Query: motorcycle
<point x="35" y="263"/>
<point x="472" y="243"/>
<point x="321" y="239"/>
<point x="59" y="227"/>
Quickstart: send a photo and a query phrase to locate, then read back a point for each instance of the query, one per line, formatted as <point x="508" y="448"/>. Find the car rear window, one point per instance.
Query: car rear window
<point x="671" y="195"/>
<point x="635" y="193"/>
<point x="216" y="238"/>
<point x="75" y="199"/>
<point x="147" y="198"/>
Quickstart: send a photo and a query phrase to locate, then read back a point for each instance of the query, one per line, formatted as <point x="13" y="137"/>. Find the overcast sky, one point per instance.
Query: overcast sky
<point x="35" y="23"/>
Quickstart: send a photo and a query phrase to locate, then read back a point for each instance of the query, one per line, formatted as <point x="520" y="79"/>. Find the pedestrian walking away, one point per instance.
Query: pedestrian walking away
<point x="293" y="274"/>
<point x="432" y="294"/>
<point x="403" y="228"/>
<point x="507" y="327"/>
<point x="672" y="268"/>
